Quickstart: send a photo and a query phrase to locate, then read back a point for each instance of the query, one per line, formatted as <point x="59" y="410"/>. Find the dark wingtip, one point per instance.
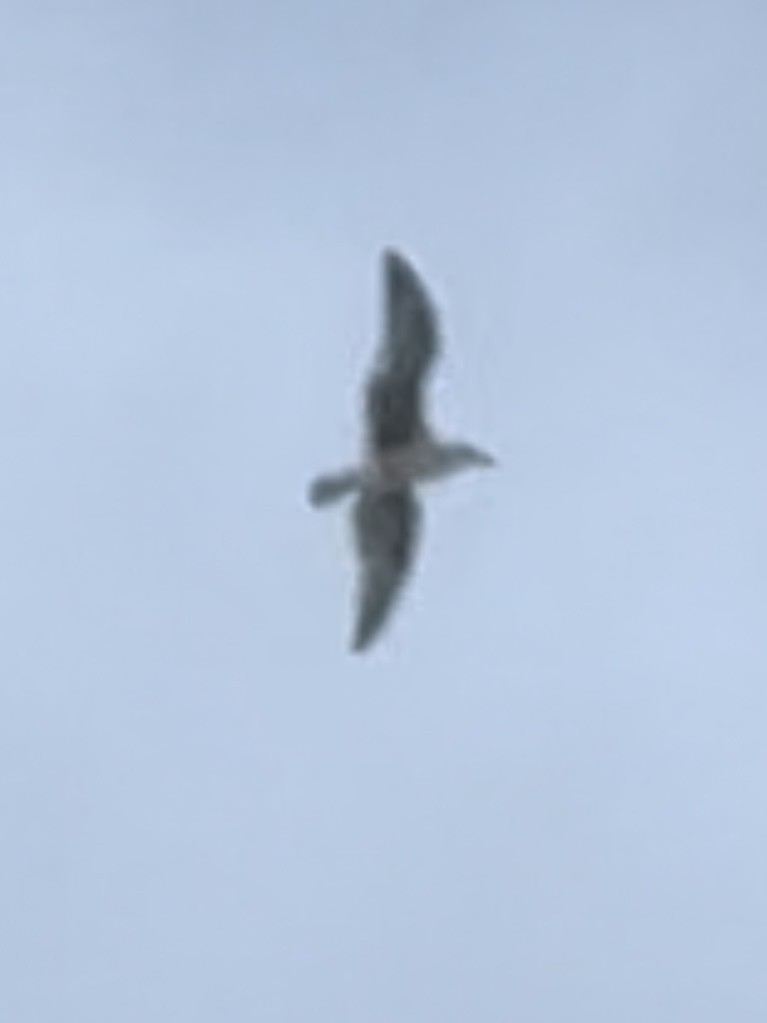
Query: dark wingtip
<point x="361" y="640"/>
<point x="395" y="261"/>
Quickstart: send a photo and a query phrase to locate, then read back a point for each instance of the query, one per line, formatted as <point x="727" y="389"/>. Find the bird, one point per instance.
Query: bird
<point x="400" y="450"/>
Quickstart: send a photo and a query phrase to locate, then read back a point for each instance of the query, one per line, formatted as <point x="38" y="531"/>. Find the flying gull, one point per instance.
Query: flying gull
<point x="401" y="451"/>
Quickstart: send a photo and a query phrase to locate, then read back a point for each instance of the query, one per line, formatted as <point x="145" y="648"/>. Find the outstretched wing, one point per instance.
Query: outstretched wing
<point x="409" y="346"/>
<point x="386" y="527"/>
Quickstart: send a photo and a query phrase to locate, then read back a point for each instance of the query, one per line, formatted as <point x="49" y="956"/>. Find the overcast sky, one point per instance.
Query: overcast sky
<point x="541" y="798"/>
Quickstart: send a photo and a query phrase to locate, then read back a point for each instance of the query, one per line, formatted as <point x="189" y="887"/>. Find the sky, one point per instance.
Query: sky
<point x="541" y="797"/>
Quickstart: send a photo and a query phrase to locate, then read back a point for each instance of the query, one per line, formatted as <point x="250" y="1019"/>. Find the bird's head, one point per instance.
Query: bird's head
<point x="459" y="455"/>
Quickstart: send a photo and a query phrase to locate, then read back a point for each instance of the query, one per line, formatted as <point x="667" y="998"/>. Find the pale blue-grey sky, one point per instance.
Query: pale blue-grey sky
<point x="540" y="798"/>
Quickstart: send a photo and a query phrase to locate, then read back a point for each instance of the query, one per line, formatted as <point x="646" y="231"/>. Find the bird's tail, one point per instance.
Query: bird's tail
<point x="328" y="489"/>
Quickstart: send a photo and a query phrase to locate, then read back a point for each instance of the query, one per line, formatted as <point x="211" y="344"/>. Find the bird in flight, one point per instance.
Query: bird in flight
<point x="400" y="450"/>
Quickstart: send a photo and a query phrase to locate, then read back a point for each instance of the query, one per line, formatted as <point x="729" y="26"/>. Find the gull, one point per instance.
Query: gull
<point x="400" y="451"/>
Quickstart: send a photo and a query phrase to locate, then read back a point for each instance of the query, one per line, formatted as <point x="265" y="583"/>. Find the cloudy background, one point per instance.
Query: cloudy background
<point x="541" y="798"/>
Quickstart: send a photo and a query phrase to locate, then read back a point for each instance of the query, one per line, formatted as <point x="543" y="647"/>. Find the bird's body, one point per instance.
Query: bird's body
<point x="400" y="450"/>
